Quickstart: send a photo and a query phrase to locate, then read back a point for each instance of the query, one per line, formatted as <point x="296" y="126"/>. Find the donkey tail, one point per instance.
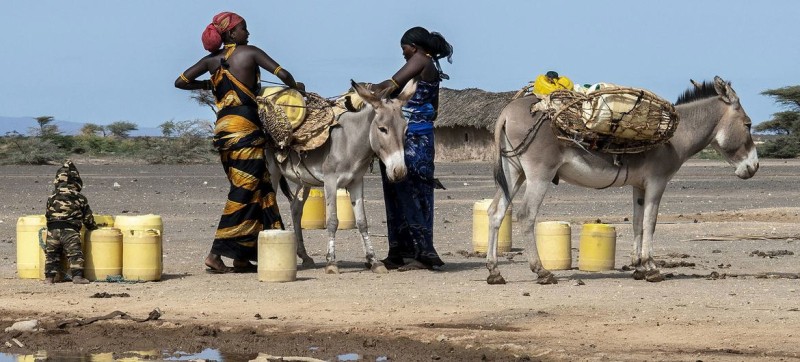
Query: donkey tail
<point x="499" y="173"/>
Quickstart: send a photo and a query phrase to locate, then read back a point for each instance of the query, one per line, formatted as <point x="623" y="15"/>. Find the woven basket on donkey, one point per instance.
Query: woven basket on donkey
<point x="274" y="121"/>
<point x="612" y="120"/>
<point x="315" y="129"/>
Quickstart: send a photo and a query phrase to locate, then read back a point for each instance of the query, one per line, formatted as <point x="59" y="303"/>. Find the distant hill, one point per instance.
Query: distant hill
<point x="23" y="125"/>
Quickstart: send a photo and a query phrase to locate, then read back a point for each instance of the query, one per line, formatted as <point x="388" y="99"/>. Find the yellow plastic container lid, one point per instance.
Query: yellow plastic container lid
<point x="290" y="100"/>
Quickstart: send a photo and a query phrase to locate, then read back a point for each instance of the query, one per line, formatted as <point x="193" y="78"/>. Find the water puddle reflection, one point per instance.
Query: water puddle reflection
<point x="349" y="357"/>
<point x="208" y="354"/>
<point x="134" y="356"/>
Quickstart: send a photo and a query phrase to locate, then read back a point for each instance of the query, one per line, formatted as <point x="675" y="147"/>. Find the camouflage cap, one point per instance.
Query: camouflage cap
<point x="68" y="174"/>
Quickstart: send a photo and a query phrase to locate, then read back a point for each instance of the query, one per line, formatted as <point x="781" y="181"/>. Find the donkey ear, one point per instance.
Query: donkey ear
<point x="408" y="91"/>
<point x="366" y="94"/>
<point x="725" y="91"/>
<point x="695" y="84"/>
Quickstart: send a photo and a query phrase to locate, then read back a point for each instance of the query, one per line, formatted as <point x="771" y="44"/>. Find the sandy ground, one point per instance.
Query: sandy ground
<point x="722" y="301"/>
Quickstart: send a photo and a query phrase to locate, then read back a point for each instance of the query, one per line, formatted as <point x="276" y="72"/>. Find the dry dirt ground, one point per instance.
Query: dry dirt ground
<point x="725" y="298"/>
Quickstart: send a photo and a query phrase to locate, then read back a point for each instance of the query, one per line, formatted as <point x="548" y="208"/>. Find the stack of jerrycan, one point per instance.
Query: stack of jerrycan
<point x="141" y="246"/>
<point x="314" y="214"/>
<point x="31" y="238"/>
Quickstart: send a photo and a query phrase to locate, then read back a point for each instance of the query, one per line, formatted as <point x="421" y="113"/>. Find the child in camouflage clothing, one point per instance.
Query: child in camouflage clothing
<point x="67" y="210"/>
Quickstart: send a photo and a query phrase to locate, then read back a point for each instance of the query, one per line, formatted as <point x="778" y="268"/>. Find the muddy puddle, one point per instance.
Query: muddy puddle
<point x="205" y="355"/>
<point x="138" y="356"/>
<point x="121" y="341"/>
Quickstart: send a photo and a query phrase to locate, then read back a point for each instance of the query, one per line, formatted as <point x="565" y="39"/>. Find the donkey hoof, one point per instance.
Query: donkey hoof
<point x="378" y="268"/>
<point x="638" y="274"/>
<point x="331" y="269"/>
<point x="546" y="279"/>
<point x="654" y="276"/>
<point x="495" y="279"/>
<point x="308" y="263"/>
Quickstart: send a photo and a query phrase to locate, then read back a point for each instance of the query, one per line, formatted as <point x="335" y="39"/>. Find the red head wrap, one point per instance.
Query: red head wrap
<point x="222" y="22"/>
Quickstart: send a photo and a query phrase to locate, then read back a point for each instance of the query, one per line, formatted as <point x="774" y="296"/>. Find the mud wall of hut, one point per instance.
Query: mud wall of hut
<point x="463" y="143"/>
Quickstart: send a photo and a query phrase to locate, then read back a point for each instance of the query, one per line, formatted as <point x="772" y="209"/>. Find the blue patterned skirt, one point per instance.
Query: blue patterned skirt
<point x="409" y="203"/>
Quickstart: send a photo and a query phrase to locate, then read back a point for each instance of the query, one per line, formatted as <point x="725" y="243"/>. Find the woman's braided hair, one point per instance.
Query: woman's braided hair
<point x="432" y="42"/>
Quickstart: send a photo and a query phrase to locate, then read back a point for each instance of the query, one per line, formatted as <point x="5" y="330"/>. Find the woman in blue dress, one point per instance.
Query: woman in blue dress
<point x="409" y="203"/>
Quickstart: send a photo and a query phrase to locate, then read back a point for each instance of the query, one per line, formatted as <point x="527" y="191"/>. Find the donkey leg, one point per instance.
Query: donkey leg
<point x="534" y="195"/>
<point x="300" y="196"/>
<point x="636" y="223"/>
<point x="497" y="209"/>
<point x="331" y="224"/>
<point x="651" y="203"/>
<point x="357" y="199"/>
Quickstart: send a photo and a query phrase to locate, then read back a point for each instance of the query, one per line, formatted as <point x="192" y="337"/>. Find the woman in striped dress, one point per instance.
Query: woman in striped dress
<point x="235" y="80"/>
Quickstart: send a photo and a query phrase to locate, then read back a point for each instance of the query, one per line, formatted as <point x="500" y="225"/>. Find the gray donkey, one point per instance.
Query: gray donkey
<point x="378" y="129"/>
<point x="710" y="114"/>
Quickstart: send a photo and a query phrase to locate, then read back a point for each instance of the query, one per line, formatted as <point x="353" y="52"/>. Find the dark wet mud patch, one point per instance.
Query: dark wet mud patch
<point x="471" y="327"/>
<point x="771" y="253"/>
<point x="240" y="344"/>
<point x="716" y="275"/>
<point x="669" y="264"/>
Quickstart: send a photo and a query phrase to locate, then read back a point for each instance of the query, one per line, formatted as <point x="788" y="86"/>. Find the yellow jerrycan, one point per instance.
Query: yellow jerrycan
<point x="142" y="255"/>
<point x="290" y="100"/>
<point x="277" y="256"/>
<point x="314" y="210"/>
<point x="598" y="247"/>
<point x="480" y="228"/>
<point x="344" y="210"/>
<point x="138" y="222"/>
<point x="554" y="243"/>
<point x="102" y="252"/>
<point x="30" y="256"/>
<point x="104" y="220"/>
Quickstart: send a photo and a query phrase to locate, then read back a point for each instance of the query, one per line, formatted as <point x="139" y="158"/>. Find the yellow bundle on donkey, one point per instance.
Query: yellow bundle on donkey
<point x="544" y="85"/>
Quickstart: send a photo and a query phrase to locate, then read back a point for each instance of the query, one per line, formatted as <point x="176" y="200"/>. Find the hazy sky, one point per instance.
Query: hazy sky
<point x="105" y="61"/>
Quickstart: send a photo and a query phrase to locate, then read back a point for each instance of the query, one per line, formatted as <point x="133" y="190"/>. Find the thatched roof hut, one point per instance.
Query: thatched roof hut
<point x="471" y="107"/>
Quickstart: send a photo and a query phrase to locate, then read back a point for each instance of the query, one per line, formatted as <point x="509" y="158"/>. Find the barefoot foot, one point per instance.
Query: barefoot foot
<point x="215" y="265"/>
<point x="413" y="265"/>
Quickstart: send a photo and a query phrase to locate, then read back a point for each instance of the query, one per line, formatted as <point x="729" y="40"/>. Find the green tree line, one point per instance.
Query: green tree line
<point x="189" y="141"/>
<point x="785" y="125"/>
<point x="181" y="142"/>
